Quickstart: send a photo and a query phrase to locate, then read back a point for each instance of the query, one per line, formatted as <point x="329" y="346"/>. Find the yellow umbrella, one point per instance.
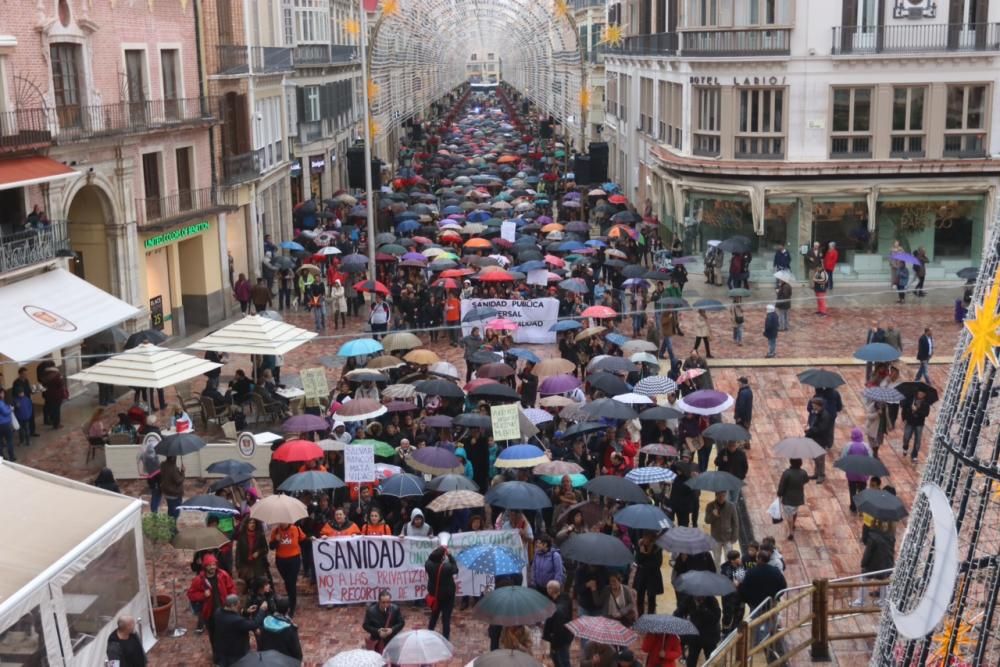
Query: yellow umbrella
<point x="422" y="357"/>
<point x="554" y="366"/>
<point x="588" y="332"/>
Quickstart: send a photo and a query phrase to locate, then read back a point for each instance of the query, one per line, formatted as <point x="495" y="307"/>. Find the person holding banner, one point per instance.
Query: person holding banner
<point x="376" y="525"/>
<point x="441" y="570"/>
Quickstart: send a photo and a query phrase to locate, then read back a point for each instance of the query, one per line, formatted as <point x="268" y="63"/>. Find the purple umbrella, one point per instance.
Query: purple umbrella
<point x="558" y="384"/>
<point x="905" y="257"/>
<point x="435" y="461"/>
<point x="635" y="282"/>
<point x="415" y="257"/>
<point x="438" y="421"/>
<point x="578" y="226"/>
<point x="572" y="195"/>
<point x="304" y="423"/>
<point x="401" y="406"/>
<point x="705" y="402"/>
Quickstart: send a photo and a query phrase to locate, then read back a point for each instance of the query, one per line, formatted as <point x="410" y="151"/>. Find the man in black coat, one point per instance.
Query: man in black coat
<point x="529" y="385"/>
<point x="915" y="411"/>
<point x="441" y="570"/>
<point x="125" y="646"/>
<point x="383" y="621"/>
<point x="743" y="410"/>
<point x="706" y="615"/>
<point x="733" y="459"/>
<point x="925" y="350"/>
<point x="554" y="631"/>
<point x="762" y="582"/>
<point x="231" y="637"/>
<point x="279" y="633"/>
<point x="820" y="429"/>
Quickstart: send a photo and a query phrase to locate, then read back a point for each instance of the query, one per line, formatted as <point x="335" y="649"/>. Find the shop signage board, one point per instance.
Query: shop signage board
<point x="156" y="312"/>
<point x="176" y="235"/>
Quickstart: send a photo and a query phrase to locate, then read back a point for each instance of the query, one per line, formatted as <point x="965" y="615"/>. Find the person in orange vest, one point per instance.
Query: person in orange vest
<point x="286" y="541"/>
<point x="453" y="317"/>
<point x="341" y="526"/>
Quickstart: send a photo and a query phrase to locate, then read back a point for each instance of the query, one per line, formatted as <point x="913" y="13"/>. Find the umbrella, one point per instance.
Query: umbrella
<point x="518" y="496"/>
<point x="909" y="389"/>
<point x="708" y="304"/>
<point x="479" y="314"/>
<point x="365" y="375"/>
<point x="311" y="480"/>
<point x="599" y="312"/>
<point x="613" y="364"/>
<point x="558" y="384"/>
<point x="721" y="432"/>
<point x="656" y="385"/>
<point x="305" y="423"/>
<point x="644" y="358"/>
<point x="735" y="244"/>
<point x="537" y="416"/>
<point x="442" y="388"/>
<point x="521" y="456"/>
<point x="310" y="268"/>
<point x="498" y="391"/>
<point x="296" y="451"/>
<point x="608" y="408"/>
<point x="581" y="428"/>
<point x="686" y="540"/>
<point x="401" y="341"/>
<point x="968" y="273"/>
<point x="651" y="475"/>
<point x="373" y="286"/>
<point x="589" y="332"/>
<point x="359" y="410"/>
<point x="715" y="480"/>
<point x="112" y="337"/>
<point x="495" y="371"/>
<point x="798" y="448"/>
<point x="405" y="485"/>
<point x="485" y="357"/>
<point x="883" y="394"/>
<point x="422" y="357"/>
<point x="556" y="402"/>
<point x="435" y="461"/>
<point x="504" y="658"/>
<point x="491" y="559"/>
<point x="704" y="584"/>
<point x="382" y="449"/>
<point x="457" y="500"/>
<point x="208" y="503"/>
<point x="597" y="549"/>
<point x="659" y="449"/>
<point x="418" y="647"/>
<point x="603" y="630"/>
<point x="523" y="354"/>
<point x="592" y="513"/>
<point x="619" y="488"/>
<point x="513" y="605"/>
<point x="785" y="276"/>
<point x="230" y="480"/>
<point x="152" y="336"/>
<point x="267" y="659"/>
<point x="557" y="468"/>
<point x="385" y="362"/>
<point x="738" y="292"/>
<point x="566" y="325"/>
<point x="643" y="517"/>
<point x="473" y="420"/>
<point x="452" y="482"/>
<point x="230" y="467"/>
<point x="861" y="464"/>
<point x="905" y="257"/>
<point x="663" y="624"/>
<point x="820" y="378"/>
<point x="197" y="538"/>
<point x="882" y="505"/>
<point x="876" y="353"/>
<point x="705" y="402"/>
<point x="357" y="657"/>
<point x="279" y="509"/>
<point x="179" y="444"/>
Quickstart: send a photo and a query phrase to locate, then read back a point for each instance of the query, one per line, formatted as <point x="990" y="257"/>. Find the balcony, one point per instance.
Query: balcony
<point x="916" y="38"/>
<point x="312" y="55"/>
<point x="310" y="131"/>
<point x="737" y="43"/>
<point x="165" y="212"/>
<point x="965" y="145"/>
<point x="237" y="60"/>
<point x="240" y="168"/>
<point x="657" y="44"/>
<point x="32" y="246"/>
<point x="857" y="147"/>
<point x="22" y="129"/>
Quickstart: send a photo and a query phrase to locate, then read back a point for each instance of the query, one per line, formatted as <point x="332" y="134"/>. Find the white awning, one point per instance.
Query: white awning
<point x="147" y="366"/>
<point x="54" y="310"/>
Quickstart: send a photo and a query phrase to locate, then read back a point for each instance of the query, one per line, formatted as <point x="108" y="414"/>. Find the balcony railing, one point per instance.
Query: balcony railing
<point x="736" y="43"/>
<point x="657" y="44"/>
<point x="965" y="145"/>
<point x="236" y="60"/>
<point x="916" y="38"/>
<point x="310" y="131"/>
<point x="181" y="206"/>
<point x="857" y="147"/>
<point x="240" y="168"/>
<point x="33" y="246"/>
<point x="23" y="128"/>
<point x="310" y="55"/>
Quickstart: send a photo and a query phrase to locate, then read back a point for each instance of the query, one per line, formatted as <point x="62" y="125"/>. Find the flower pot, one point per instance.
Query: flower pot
<point x="162" y="604"/>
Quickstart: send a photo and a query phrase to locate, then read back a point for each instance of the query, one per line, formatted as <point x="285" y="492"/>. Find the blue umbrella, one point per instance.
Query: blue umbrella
<point x="570" y="246"/>
<point x="452" y="210"/>
<point x="517" y="496"/>
<point x="651" y="475"/>
<point x="596" y="243"/>
<point x="359" y="347"/>
<point x="407" y="215"/>
<point x="491" y="559"/>
<point x="521" y="456"/>
<point x="905" y="257"/>
<point x="643" y="517"/>
<point x="478" y="216"/>
<point x="574" y="285"/>
<point x="402" y="486"/>
<point x="522" y="353"/>
<point x="876" y="353"/>
<point x="531" y="265"/>
<point x="577" y="480"/>
<point x="566" y="325"/>
<point x="616" y="339"/>
<point x="292" y="245"/>
<point x="407" y="226"/>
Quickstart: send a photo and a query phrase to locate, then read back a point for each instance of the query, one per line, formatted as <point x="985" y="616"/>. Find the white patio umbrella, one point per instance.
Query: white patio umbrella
<point x="255" y="335"/>
<point x="147" y="366"/>
<point x="358" y="657"/>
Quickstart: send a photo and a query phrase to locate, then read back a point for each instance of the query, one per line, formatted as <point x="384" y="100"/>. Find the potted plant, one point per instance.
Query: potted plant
<point x="158" y="529"/>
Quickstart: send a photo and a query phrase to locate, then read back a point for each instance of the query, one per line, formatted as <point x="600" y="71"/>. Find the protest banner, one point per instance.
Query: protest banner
<point x="506" y="425"/>
<point x="314" y="385"/>
<point x="355" y="569"/>
<point x="359" y="463"/>
<point x="534" y="317"/>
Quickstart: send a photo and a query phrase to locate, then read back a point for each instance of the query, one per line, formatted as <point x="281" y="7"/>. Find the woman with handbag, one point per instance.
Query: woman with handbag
<point x="441" y="570"/>
<point x="619" y="601"/>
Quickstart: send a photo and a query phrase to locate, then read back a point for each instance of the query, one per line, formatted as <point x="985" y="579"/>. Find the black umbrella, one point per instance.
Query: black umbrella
<point x="609" y="383"/>
<point x="473" y="420"/>
<point x="861" y="464"/>
<point x="208" y="503"/>
<point x="715" y="480"/>
<point x="230" y="480"/>
<point x="968" y="273"/>
<point x="485" y="357"/>
<point x="513" y="605"/>
<point x="267" y="659"/>
<point x="597" y="549"/>
<point x="442" y="388"/>
<point x="735" y="244"/>
<point x="686" y="540"/>
<point x="480" y="314"/>
<point x="614" y="364"/>
<point x="661" y="413"/>
<point x="664" y="624"/>
<point x="643" y="517"/>
<point x="704" y="584"/>
<point x="722" y="432"/>
<point x="910" y="389"/>
<point x="154" y="336"/>
<point x="518" y="496"/>
<point x="634" y="271"/>
<point x="820" y="378"/>
<point x="179" y="444"/>
<point x="581" y="428"/>
<point x="877" y="352"/>
<point x="452" y="482"/>
<point x="500" y="391"/>
<point x="230" y="467"/>
<point x="609" y="408"/>
<point x="670" y="302"/>
<point x="882" y="505"/>
<point x="311" y="480"/>
<point x="708" y="304"/>
<point x="112" y="337"/>
<point x="618" y="488"/>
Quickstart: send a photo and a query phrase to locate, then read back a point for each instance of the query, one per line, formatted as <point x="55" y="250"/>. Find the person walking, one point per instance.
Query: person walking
<point x="733" y="459"/>
<point x="124" y="646"/>
<point x="261" y="296"/>
<point x="925" y="350"/>
<point x="648" y="579"/>
<point x="231" y="634"/>
<point x="782" y="259"/>
<point x="902" y="280"/>
<point x="278" y="632"/>
<point x="172" y="484"/>
<point x="380" y="317"/>
<point x="820" y="279"/>
<point x="241" y="291"/>
<point x="856" y="483"/>
<point x="208" y="592"/>
<point x="743" y="408"/>
<point x="338" y="304"/>
<point x="441" y="570"/>
<point x="670" y="327"/>
<point x="783" y="304"/>
<point x="791" y="491"/>
<point x="702" y="332"/>
<point x="920" y="271"/>
<point x="547" y="564"/>
<point x="554" y="631"/>
<point x="706" y="615"/>
<point x="820" y="428"/>
<point x="286" y="542"/>
<point x="830" y="258"/>
<point x="894" y="338"/>
<point x="720" y="515"/>
<point x="736" y="314"/>
<point x="813" y="259"/>
<point x="471" y="345"/>
<point x="915" y="410"/>
<point x="771" y="331"/>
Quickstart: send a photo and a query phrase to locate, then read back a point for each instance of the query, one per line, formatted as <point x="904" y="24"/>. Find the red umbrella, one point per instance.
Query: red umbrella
<point x="456" y="273"/>
<point x="422" y="240"/>
<point x="384" y="257"/>
<point x="375" y="286"/>
<point x="603" y="630"/>
<point x="617" y="199"/>
<point x="478" y="382"/>
<point x="496" y="277"/>
<point x="295" y="451"/>
<point x="598" y="312"/>
<point x="446" y="283"/>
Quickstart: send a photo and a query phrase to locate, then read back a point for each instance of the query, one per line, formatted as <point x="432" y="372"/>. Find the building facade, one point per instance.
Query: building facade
<point x="858" y="121"/>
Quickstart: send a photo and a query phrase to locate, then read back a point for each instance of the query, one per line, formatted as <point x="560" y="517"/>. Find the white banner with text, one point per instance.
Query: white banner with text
<point x="534" y="317"/>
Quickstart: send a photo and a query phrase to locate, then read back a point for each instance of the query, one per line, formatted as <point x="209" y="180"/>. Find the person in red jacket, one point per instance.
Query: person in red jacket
<point x="830" y="263"/>
<point x="661" y="650"/>
<point x="208" y="592"/>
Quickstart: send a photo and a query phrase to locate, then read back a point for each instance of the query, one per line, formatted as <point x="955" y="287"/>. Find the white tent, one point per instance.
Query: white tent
<point x="73" y="564"/>
<point x="255" y="335"/>
<point x="147" y="366"/>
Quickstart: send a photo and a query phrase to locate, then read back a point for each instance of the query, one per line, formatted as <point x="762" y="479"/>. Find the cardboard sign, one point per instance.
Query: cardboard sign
<point x="314" y="385"/>
<point x="506" y="425"/>
<point x="359" y="463"/>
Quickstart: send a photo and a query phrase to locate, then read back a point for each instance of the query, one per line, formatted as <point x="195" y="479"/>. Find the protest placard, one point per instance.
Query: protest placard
<point x="506" y="425"/>
<point x="359" y="463"/>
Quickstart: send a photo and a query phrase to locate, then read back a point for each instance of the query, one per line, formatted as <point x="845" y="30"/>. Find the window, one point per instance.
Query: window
<point x="23" y="642"/>
<point x="267" y="132"/>
<point x="611" y="91"/>
<point x="669" y="130"/>
<point x="185" y="183"/>
<point x="761" y="131"/>
<point x="623" y="91"/>
<point x="170" y="71"/>
<point x="312" y="21"/>
<point x="151" y="184"/>
<point x="850" y="134"/>
<point x="737" y="13"/>
<point x="66" y="79"/>
<point x="646" y="105"/>
<point x="708" y="126"/>
<point x="475" y="56"/>
<point x="135" y="79"/>
<point x="965" y="121"/>
<point x="224" y="21"/>
<point x="312" y="109"/>
<point x="907" y="122"/>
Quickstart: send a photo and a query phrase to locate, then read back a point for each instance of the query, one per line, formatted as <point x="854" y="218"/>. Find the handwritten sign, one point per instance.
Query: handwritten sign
<point x="354" y="569"/>
<point x="314" y="385"/>
<point x="359" y="463"/>
<point x="508" y="230"/>
<point x="506" y="425"/>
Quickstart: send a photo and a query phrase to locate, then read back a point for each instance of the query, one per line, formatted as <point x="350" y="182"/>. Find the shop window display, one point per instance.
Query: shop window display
<point x="846" y="223"/>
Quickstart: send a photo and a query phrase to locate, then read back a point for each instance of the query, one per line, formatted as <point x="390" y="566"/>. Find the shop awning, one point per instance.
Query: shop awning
<point x="147" y="366"/>
<point x="53" y="310"/>
<point x="21" y="171"/>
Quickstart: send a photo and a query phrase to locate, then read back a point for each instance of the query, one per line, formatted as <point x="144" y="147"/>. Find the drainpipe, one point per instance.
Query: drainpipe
<point x="253" y="243"/>
<point x="203" y="90"/>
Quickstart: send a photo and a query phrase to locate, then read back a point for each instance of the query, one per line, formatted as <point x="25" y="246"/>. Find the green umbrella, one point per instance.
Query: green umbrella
<point x="383" y="449"/>
<point x="393" y="249"/>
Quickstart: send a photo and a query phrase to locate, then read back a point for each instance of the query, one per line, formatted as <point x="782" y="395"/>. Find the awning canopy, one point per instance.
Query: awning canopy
<point x="147" y="366"/>
<point x="22" y="171"/>
<point x="255" y="335"/>
<point x="54" y="310"/>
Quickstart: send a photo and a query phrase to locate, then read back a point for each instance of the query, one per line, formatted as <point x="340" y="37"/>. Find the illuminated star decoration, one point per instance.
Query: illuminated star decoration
<point x="585" y="98"/>
<point x="373" y="129"/>
<point x="985" y="331"/>
<point x="561" y="8"/>
<point x="372" y="90"/>
<point x="390" y="7"/>
<point x="612" y="35"/>
<point x="961" y="643"/>
<point x="352" y="27"/>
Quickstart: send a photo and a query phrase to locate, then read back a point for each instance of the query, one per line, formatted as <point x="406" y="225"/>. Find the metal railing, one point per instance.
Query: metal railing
<point x="737" y="42"/>
<point x="308" y="55"/>
<point x="240" y="168"/>
<point x="32" y="246"/>
<point x="310" y="131"/>
<point x="236" y="59"/>
<point x="662" y="44"/>
<point x="22" y="128"/>
<point x="182" y="205"/>
<point x="856" y="147"/>
<point x="916" y="38"/>
<point x="965" y="144"/>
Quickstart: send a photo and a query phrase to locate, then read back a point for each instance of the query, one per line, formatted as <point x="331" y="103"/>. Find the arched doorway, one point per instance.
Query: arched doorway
<point x="89" y="214"/>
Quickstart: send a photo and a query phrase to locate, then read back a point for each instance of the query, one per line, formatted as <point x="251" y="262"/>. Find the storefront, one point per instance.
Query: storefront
<point x="947" y="227"/>
<point x="317" y="168"/>
<point x="182" y="281"/>
<point x="295" y="177"/>
<point x="718" y="216"/>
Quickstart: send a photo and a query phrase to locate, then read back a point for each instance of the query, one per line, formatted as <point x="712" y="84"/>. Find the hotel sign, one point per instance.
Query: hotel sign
<point x="738" y="80"/>
<point x="175" y="235"/>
